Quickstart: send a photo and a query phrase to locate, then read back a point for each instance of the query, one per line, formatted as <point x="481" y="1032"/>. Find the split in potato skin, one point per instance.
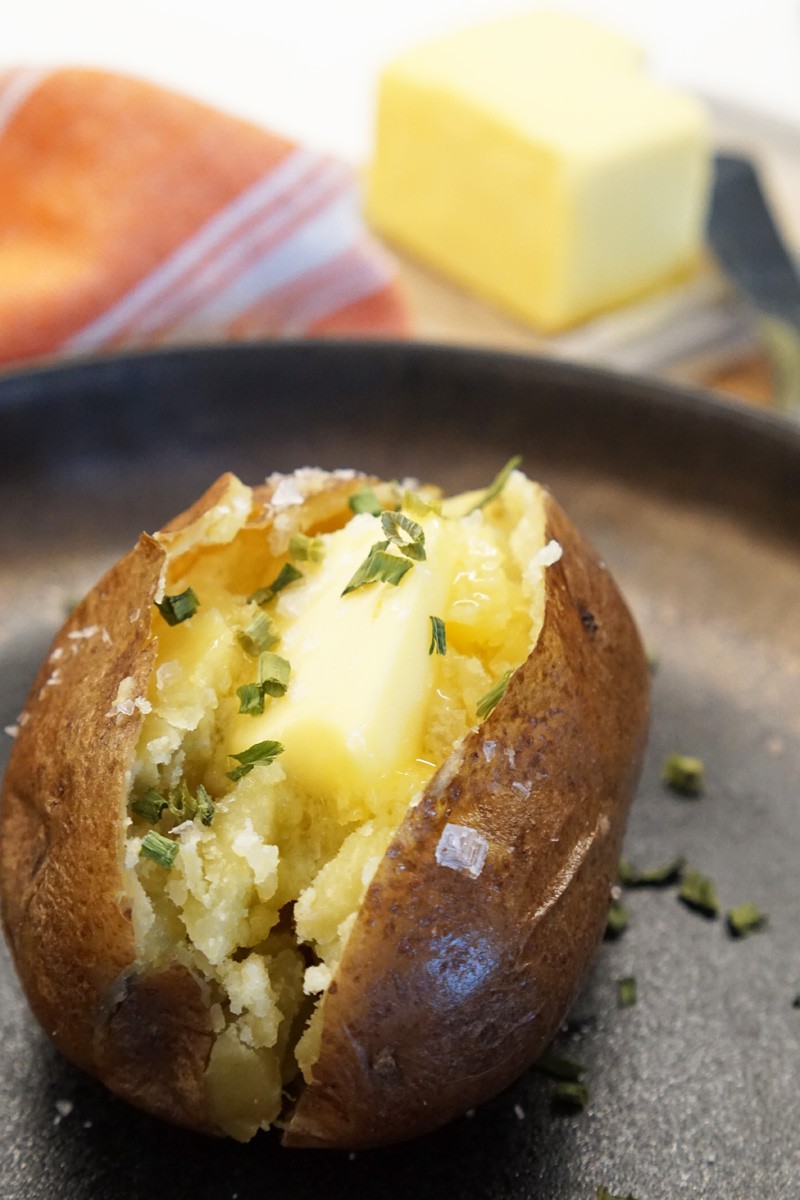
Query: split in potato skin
<point x="273" y="908"/>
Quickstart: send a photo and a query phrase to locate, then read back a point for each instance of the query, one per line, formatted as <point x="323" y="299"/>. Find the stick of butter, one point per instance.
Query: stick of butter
<point x="533" y="161"/>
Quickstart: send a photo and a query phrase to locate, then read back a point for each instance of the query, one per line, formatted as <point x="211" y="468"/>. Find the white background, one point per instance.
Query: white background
<point x="307" y="68"/>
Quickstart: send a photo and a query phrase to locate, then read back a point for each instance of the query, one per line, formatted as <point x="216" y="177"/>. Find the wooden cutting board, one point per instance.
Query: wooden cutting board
<point x="444" y="312"/>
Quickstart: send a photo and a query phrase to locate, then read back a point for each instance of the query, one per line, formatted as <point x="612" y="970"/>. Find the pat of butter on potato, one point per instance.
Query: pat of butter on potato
<point x="533" y="161"/>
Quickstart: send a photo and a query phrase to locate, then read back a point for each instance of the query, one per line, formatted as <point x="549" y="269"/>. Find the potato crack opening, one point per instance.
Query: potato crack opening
<point x="249" y="865"/>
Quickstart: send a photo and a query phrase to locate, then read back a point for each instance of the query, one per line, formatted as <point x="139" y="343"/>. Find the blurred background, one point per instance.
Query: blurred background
<point x="309" y="67"/>
<point x="309" y="70"/>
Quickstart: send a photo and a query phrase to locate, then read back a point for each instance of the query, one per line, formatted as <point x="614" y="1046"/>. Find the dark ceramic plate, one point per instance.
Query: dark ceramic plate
<point x="695" y="504"/>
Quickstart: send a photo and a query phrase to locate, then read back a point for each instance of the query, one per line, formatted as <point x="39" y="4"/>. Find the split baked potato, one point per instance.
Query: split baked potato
<point x="316" y="803"/>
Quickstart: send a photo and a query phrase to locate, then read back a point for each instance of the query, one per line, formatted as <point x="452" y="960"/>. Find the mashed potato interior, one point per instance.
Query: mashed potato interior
<point x="259" y="902"/>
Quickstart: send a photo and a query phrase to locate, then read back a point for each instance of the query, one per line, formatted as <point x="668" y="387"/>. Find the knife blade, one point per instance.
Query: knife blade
<point x="750" y="250"/>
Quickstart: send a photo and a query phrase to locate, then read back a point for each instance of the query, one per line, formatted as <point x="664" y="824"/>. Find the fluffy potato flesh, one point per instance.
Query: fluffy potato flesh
<point x="259" y="902"/>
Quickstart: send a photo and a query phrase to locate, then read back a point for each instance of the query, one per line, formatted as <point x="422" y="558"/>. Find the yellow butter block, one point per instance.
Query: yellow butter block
<point x="360" y="665"/>
<point x="533" y="161"/>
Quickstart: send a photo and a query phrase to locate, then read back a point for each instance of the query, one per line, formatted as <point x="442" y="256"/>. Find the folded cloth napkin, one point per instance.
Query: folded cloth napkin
<point x="133" y="216"/>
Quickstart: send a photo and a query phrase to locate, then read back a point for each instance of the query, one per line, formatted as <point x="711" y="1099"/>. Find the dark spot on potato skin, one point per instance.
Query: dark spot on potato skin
<point x="384" y="1063"/>
<point x="588" y="621"/>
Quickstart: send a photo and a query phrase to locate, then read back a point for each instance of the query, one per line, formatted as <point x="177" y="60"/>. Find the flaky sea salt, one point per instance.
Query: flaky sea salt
<point x="63" y="1109"/>
<point x="125" y="703"/>
<point x="287" y="493"/>
<point x="462" y="849"/>
<point x="11" y="730"/>
<point x="519" y="1112"/>
<point x="548" y="554"/>
<point x="88" y="631"/>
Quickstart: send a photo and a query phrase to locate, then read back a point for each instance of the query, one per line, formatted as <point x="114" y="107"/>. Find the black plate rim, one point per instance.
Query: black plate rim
<point x="696" y="404"/>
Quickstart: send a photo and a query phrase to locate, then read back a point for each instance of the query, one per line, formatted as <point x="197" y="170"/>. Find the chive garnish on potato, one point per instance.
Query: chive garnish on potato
<point x="438" y="636"/>
<point x="150" y="806"/>
<point x="494" y="695"/>
<point x="379" y="567"/>
<point x="161" y="849"/>
<point x="303" y="548"/>
<point x="407" y="535"/>
<point x="496" y="486"/>
<point x="259" y="754"/>
<point x="257" y="636"/>
<point x="365" y="501"/>
<point x="287" y="574"/>
<point x="273" y="674"/>
<point x="175" y="609"/>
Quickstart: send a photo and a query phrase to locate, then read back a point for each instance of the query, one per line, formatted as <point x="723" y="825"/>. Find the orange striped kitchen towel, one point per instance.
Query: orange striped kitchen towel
<point x="133" y="216"/>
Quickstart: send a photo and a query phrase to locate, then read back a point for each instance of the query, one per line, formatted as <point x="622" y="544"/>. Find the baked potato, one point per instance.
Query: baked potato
<point x="316" y="803"/>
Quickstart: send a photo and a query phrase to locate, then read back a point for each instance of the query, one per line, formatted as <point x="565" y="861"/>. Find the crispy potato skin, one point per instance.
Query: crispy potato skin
<point x="450" y="986"/>
<point x="65" y="913"/>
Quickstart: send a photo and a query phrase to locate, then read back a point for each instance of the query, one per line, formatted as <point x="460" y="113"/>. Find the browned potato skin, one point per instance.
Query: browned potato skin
<point x="449" y="986"/>
<point x="146" y="1035"/>
<point x="64" y="911"/>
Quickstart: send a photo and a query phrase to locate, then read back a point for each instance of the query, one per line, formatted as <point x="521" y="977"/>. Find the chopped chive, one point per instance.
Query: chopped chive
<point x="603" y="1193"/>
<point x="570" y="1096"/>
<point x="495" y="693"/>
<point x="287" y="574"/>
<point x="699" y="893"/>
<point x="204" y="805"/>
<point x="626" y="991"/>
<point x="653" y="659"/>
<point x="251" y="699"/>
<point x="306" y="549"/>
<point x="617" y="921"/>
<point x="261" y="753"/>
<point x="683" y="774"/>
<point x="661" y="876"/>
<point x="498" y="483"/>
<point x="379" y="567"/>
<point x="180" y="802"/>
<point x="150" y="806"/>
<point x="415" y="506"/>
<point x="365" y="501"/>
<point x="438" y="636"/>
<point x="273" y="674"/>
<point x="554" y="1066"/>
<point x="257" y="636"/>
<point x="161" y="849"/>
<point x="407" y="535"/>
<point x="175" y="609"/>
<point x="746" y="919"/>
<point x="186" y="807"/>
